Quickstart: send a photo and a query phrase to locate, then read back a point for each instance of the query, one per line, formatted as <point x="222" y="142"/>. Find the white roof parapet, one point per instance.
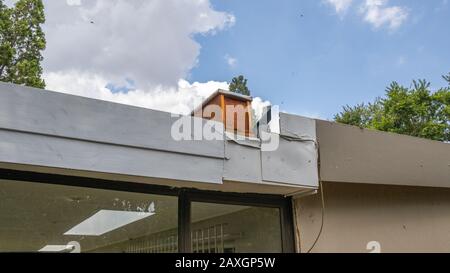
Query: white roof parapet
<point x="56" y="114"/>
<point x="40" y="128"/>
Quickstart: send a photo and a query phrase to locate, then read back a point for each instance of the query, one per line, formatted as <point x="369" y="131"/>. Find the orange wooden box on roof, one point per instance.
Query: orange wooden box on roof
<point x="235" y="111"/>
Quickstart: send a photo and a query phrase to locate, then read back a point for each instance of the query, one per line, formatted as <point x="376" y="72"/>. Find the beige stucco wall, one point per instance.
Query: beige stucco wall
<point x="354" y="155"/>
<point x="400" y="218"/>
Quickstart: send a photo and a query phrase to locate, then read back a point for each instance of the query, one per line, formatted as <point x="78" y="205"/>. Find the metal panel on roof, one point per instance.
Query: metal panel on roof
<point x="44" y="112"/>
<point x="295" y="161"/>
<point x="47" y="151"/>
<point x="55" y="130"/>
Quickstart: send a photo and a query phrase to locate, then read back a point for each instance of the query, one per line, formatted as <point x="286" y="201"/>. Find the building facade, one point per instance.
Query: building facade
<point x="83" y="175"/>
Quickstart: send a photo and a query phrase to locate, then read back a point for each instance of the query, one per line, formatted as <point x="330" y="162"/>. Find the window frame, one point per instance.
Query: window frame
<point x="185" y="197"/>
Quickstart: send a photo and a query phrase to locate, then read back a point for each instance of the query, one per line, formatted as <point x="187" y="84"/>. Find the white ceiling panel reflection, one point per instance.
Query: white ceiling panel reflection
<point x="105" y="221"/>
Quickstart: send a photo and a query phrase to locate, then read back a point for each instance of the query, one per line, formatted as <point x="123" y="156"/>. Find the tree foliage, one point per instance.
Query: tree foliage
<point x="415" y="111"/>
<point x="21" y="42"/>
<point x="447" y="78"/>
<point x="239" y="85"/>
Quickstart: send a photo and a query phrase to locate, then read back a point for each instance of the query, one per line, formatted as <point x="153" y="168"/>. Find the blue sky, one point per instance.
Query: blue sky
<point x="171" y="54"/>
<point x="314" y="64"/>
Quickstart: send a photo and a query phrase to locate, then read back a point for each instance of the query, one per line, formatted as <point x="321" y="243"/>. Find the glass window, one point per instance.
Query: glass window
<point x="55" y="218"/>
<point x="219" y="228"/>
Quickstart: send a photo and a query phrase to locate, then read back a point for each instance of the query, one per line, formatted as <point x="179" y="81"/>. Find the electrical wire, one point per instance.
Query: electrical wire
<point x="305" y="138"/>
<point x="323" y="217"/>
<point x="298" y="245"/>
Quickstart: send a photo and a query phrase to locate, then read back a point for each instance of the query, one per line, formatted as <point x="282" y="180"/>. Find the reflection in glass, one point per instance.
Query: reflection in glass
<point x="105" y="221"/>
<point x="219" y="228"/>
<point x="54" y="218"/>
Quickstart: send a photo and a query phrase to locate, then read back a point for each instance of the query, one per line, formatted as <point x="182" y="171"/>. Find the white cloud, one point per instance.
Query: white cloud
<point x="378" y="14"/>
<point x="146" y="46"/>
<point x="341" y="6"/>
<point x="150" y="42"/>
<point x="179" y="99"/>
<point x="258" y="106"/>
<point x="232" y="62"/>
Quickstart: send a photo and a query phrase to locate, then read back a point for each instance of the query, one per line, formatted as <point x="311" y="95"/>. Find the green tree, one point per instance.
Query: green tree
<point x="415" y="111"/>
<point x="239" y="85"/>
<point x="447" y="78"/>
<point x="21" y="42"/>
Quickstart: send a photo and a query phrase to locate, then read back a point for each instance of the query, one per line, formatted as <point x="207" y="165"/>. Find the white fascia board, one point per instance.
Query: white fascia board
<point x="56" y="152"/>
<point x="56" y="114"/>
